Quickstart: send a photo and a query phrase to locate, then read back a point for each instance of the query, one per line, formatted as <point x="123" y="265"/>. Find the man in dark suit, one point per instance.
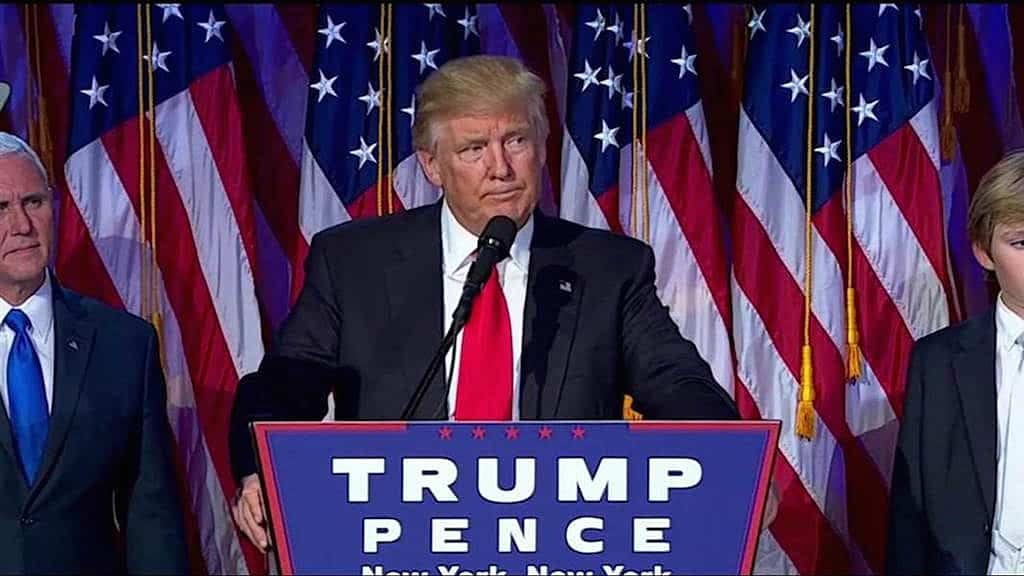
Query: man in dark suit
<point x="84" y="441"/>
<point x="563" y="328"/>
<point x="957" y="502"/>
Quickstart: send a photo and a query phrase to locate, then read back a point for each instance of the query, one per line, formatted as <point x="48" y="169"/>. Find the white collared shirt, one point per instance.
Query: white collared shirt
<point x="39" y="309"/>
<point x="1007" y="557"/>
<point x="457" y="247"/>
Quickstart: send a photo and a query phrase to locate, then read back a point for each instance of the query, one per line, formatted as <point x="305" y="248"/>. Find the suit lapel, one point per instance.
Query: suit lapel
<point x="72" y="344"/>
<point x="974" y="368"/>
<point x="416" y="306"/>
<point x="553" y="293"/>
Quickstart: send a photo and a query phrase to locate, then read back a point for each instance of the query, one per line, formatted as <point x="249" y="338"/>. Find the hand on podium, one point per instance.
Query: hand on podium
<point x="249" y="513"/>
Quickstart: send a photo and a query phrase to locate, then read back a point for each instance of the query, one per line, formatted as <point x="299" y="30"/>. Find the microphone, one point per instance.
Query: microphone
<point x="492" y="247"/>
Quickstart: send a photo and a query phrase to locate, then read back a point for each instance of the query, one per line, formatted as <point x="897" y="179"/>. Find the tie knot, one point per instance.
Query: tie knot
<point x="18" y="321"/>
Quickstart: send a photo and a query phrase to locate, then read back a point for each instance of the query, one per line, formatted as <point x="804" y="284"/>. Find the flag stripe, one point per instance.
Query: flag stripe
<point x="210" y="218"/>
<point x="112" y="220"/>
<point x="210" y="365"/>
<point x="913" y="185"/>
<point x="274" y="172"/>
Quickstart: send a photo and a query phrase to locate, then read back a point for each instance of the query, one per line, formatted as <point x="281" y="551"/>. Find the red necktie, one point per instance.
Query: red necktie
<point x="485" y="369"/>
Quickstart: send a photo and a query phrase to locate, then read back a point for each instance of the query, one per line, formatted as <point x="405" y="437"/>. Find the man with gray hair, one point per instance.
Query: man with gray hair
<point x="563" y="327"/>
<point x="84" y="421"/>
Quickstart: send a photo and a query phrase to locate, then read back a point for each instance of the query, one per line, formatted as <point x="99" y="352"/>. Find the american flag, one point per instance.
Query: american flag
<point x="668" y="199"/>
<point x="802" y="107"/>
<point x="249" y="160"/>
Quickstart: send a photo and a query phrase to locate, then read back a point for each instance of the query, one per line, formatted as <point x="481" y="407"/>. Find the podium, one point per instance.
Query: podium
<point x="517" y="498"/>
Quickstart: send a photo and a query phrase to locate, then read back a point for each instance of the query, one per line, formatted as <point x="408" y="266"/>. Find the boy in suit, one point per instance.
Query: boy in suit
<point x="958" y="479"/>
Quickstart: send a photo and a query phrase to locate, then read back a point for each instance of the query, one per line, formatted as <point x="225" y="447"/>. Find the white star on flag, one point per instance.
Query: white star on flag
<point x="160" y="59"/>
<point x="170" y="10"/>
<point x="468" y="24"/>
<point x="802" y="30"/>
<point x="597" y="24"/>
<point x="755" y="23"/>
<point x="371" y="98"/>
<point x="796" y="85"/>
<point x="411" y="111"/>
<point x="635" y="46"/>
<point x="434" y="9"/>
<point x="212" y="27"/>
<point x="425" y="57"/>
<point x="95" y="93"/>
<point x="918" y="68"/>
<point x="108" y="39"/>
<point x="865" y="110"/>
<point x="606" y="136"/>
<point x="829" y="150"/>
<point x="364" y="152"/>
<point x="834" y="96"/>
<point x="685" y="62"/>
<point x="838" y="39"/>
<point x="627" y="100"/>
<point x="332" y="32"/>
<point x="325" y="86"/>
<point x="875" y="55"/>
<point x="883" y="7"/>
<point x="616" y="29"/>
<point x="613" y="82"/>
<point x="589" y="76"/>
<point x="377" y="43"/>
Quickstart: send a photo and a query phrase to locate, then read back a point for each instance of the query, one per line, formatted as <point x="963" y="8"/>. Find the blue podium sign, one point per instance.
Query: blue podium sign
<point x="516" y="498"/>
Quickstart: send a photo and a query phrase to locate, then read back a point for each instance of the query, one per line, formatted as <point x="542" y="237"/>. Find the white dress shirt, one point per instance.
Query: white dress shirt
<point x="1007" y="555"/>
<point x="457" y="247"/>
<point x="39" y="309"/>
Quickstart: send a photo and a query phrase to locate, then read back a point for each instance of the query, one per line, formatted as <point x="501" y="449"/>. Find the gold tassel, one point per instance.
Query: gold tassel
<point x="947" y="135"/>
<point x="962" y="94"/>
<point x="627" y="409"/>
<point x="805" y="409"/>
<point x="852" y="338"/>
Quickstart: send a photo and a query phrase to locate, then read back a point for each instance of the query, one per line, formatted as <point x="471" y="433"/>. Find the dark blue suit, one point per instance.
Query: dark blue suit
<point x="371" y="315"/>
<point x="944" y="476"/>
<point x="108" y="452"/>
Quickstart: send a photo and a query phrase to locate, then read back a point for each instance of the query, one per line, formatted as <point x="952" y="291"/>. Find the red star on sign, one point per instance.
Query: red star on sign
<point x="478" y="433"/>
<point x="544" y="433"/>
<point x="578" y="432"/>
<point x="445" y="433"/>
<point x="511" y="433"/>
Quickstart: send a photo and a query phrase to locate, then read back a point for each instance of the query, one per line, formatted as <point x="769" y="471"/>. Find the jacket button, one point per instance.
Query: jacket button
<point x="27" y="521"/>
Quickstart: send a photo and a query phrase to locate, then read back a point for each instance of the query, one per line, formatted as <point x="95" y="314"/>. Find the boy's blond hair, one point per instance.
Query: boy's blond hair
<point x="998" y="200"/>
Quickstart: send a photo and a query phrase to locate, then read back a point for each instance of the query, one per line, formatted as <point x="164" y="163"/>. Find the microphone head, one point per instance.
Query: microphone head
<point x="499" y="233"/>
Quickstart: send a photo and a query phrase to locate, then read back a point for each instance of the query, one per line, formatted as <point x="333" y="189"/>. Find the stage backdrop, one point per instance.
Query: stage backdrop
<point x="805" y="184"/>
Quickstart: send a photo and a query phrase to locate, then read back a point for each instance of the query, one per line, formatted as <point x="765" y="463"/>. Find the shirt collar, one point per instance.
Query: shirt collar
<point x="1009" y="326"/>
<point x="458" y="244"/>
<point x="38" y="307"/>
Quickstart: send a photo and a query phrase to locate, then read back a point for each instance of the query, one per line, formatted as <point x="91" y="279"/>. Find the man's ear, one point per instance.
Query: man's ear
<point x="983" y="257"/>
<point x="428" y="161"/>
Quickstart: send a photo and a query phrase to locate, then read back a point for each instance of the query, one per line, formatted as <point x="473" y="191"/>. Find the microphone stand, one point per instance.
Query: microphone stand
<point x="435" y="364"/>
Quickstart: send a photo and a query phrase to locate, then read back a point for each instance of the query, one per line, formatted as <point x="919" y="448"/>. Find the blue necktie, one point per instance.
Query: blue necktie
<point x="26" y="395"/>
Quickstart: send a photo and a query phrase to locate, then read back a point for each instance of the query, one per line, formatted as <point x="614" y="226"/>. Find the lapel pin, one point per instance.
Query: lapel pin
<point x="73" y="345"/>
<point x="565" y="286"/>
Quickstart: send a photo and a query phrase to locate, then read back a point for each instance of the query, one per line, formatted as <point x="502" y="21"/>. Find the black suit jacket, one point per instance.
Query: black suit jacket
<point x="944" y="475"/>
<point x="370" y="318"/>
<point x="107" y="451"/>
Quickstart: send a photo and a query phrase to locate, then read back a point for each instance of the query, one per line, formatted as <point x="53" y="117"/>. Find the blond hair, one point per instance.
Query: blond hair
<point x="476" y="84"/>
<point x="998" y="200"/>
